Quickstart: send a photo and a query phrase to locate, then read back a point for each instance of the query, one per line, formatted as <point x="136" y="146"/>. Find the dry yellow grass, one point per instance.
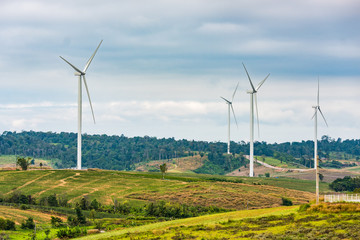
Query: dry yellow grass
<point x="19" y="216"/>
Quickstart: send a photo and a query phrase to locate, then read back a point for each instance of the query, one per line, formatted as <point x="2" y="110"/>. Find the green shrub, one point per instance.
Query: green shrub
<point x="23" y="207"/>
<point x="6" y="224"/>
<point x="56" y="221"/>
<point x="286" y="201"/>
<point x="267" y="174"/>
<point x="28" y="224"/>
<point x="66" y="233"/>
<point x="304" y="207"/>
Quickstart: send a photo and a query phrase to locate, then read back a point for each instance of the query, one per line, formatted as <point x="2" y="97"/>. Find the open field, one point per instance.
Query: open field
<point x="138" y="188"/>
<point x="179" y="165"/>
<point x="8" y="162"/>
<point x="273" y="223"/>
<point x="158" y="229"/>
<point x="329" y="174"/>
<point x="19" y="216"/>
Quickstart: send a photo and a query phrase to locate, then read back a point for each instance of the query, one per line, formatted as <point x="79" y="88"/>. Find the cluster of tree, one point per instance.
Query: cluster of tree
<point x="345" y="184"/>
<point x="6" y="224"/>
<point x="336" y="164"/>
<point x="174" y="210"/>
<point x="18" y="198"/>
<point x="122" y="153"/>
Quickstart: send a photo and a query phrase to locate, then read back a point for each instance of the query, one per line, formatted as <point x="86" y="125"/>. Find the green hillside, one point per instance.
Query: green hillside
<point x="139" y="188"/>
<point x="124" y="153"/>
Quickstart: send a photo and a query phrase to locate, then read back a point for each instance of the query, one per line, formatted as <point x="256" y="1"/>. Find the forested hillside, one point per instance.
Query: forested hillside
<point x="122" y="153"/>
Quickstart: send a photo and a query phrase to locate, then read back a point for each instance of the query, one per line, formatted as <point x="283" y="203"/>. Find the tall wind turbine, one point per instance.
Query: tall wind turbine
<point x="81" y="75"/>
<point x="229" y="103"/>
<point x="252" y="93"/>
<point x="317" y="108"/>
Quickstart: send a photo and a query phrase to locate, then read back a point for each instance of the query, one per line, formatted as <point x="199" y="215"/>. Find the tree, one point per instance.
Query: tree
<point x="41" y="165"/>
<point x="80" y="216"/>
<point x="321" y="177"/>
<point x="23" y="162"/>
<point x="28" y="224"/>
<point x="163" y="169"/>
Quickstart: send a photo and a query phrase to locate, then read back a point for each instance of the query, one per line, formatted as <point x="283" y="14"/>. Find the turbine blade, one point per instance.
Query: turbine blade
<point x="318" y="92"/>
<point x="232" y="99"/>
<point x="91" y="58"/>
<point x="314" y="114"/>
<point x="252" y="86"/>
<point x="227" y="101"/>
<point x="262" y="82"/>
<point x="257" y="114"/>
<point x="87" y="90"/>
<point x="323" y="117"/>
<point x="75" y="68"/>
<point x="234" y="115"/>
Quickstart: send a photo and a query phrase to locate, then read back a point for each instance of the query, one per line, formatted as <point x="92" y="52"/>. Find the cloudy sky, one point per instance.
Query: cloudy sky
<point x="163" y="66"/>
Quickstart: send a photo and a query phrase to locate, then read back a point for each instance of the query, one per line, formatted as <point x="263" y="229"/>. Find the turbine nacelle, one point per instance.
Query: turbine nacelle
<point x="79" y="74"/>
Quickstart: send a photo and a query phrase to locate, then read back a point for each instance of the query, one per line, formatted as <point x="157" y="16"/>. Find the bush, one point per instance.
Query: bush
<point x="286" y="201"/>
<point x="28" y="224"/>
<point x="23" y="207"/>
<point x="6" y="224"/>
<point x="56" y="221"/>
<point x="267" y="174"/>
<point x="304" y="207"/>
<point x="66" y="233"/>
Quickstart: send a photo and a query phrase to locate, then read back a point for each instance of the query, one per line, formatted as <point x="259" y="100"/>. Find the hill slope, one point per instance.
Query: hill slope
<point x="123" y="153"/>
<point x="139" y="188"/>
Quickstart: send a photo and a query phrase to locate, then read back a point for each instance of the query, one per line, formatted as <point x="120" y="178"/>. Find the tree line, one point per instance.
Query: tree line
<point x="122" y="153"/>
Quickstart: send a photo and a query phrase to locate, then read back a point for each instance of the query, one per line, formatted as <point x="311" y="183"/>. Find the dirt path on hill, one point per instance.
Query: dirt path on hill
<point x="29" y="182"/>
<point x="62" y="183"/>
<point x="283" y="169"/>
<point x="263" y="168"/>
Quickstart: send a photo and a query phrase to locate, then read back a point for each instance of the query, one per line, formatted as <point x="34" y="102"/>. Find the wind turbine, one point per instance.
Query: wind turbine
<point x="252" y="93"/>
<point x="229" y="103"/>
<point x="81" y="75"/>
<point x="317" y="108"/>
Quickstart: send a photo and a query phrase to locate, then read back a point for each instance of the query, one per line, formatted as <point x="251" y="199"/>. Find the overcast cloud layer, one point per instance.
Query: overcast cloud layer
<point x="163" y="66"/>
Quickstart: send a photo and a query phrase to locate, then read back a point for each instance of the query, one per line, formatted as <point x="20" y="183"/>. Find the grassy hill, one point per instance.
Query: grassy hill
<point x="204" y="223"/>
<point x="139" y="188"/>
<point x="176" y="165"/>
<point x="273" y="223"/>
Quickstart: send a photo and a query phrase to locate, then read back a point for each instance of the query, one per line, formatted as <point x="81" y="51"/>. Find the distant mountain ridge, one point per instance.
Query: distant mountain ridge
<point x="123" y="153"/>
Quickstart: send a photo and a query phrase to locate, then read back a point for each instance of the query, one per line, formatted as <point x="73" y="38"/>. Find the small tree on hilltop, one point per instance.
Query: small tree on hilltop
<point x="23" y="162"/>
<point x="163" y="169"/>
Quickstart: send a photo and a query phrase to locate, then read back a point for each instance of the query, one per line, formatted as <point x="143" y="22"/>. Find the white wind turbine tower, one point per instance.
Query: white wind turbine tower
<point x="317" y="108"/>
<point x="252" y="93"/>
<point x="81" y="75"/>
<point x="229" y="103"/>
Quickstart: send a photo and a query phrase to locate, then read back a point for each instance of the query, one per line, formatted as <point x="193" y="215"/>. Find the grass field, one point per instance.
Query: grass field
<point x="176" y="165"/>
<point x="158" y="229"/>
<point x="274" y="223"/>
<point x="138" y="188"/>
<point x="8" y="162"/>
<point x="277" y="163"/>
<point x="7" y="159"/>
<point x="19" y="216"/>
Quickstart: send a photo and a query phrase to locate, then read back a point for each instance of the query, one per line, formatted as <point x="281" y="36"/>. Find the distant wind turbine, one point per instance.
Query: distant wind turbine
<point x="81" y="75"/>
<point x="229" y="103"/>
<point x="252" y="93"/>
<point x="317" y="108"/>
